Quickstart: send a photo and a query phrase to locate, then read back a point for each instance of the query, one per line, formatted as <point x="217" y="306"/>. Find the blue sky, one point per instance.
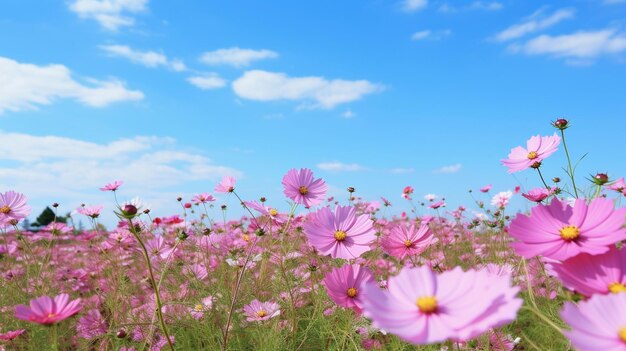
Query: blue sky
<point x="170" y="96"/>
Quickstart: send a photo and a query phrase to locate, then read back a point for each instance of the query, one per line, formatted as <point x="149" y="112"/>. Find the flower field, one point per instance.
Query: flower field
<point x="330" y="274"/>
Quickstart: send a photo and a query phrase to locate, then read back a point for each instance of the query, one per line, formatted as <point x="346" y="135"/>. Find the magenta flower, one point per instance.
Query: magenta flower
<point x="13" y="207"/>
<point x="112" y="186"/>
<point x="261" y="311"/>
<point x="301" y="187"/>
<point x="90" y="211"/>
<point x="340" y="234"/>
<point x="618" y="185"/>
<point x="203" y="198"/>
<point x="538" y="194"/>
<point x="10" y="335"/>
<point x="537" y="149"/>
<point x="422" y="307"/>
<point x="407" y="240"/>
<point x="485" y="189"/>
<point x="46" y="310"/>
<point x="346" y="285"/>
<point x="91" y="325"/>
<point x="559" y="231"/>
<point x="598" y="274"/>
<point x="226" y="185"/>
<point x="598" y="324"/>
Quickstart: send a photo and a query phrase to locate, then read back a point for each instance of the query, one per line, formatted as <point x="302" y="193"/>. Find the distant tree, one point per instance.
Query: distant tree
<point x="46" y="217"/>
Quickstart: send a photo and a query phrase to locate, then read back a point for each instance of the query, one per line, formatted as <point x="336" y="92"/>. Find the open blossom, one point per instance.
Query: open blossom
<point x="197" y="311"/>
<point x="301" y="187"/>
<point x="91" y="325"/>
<point x="589" y="275"/>
<point x="261" y="311"/>
<point x="346" y="285"/>
<point x="10" y="335"/>
<point x="112" y="186"/>
<point x="538" y="194"/>
<point x="430" y="197"/>
<point x="226" y="185"/>
<point x="407" y="192"/>
<point x="501" y="199"/>
<point x="422" y="307"/>
<point x="560" y="231"/>
<point x="276" y="217"/>
<point x="537" y="149"/>
<point x="436" y="205"/>
<point x="407" y="240"/>
<point x="340" y="234"/>
<point x="90" y="211"/>
<point x="618" y="185"/>
<point x="47" y="310"/>
<point x="13" y="207"/>
<point x="598" y="324"/>
<point x="202" y="198"/>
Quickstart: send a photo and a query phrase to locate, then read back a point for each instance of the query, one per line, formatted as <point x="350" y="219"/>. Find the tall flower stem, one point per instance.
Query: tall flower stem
<point x="153" y="282"/>
<point x="543" y="180"/>
<point x="569" y="163"/>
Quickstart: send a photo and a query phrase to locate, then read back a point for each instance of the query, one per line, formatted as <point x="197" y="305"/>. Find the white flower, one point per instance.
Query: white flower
<point x="430" y="197"/>
<point x="501" y="199"/>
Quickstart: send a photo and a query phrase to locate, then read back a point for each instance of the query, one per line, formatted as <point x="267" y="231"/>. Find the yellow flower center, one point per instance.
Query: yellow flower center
<point x="340" y="235"/>
<point x="570" y="232"/>
<point x="617" y="288"/>
<point x="5" y="209"/>
<point x="532" y="155"/>
<point x="273" y="212"/>
<point x="622" y="334"/>
<point x="261" y="313"/>
<point x="198" y="308"/>
<point x="352" y="292"/>
<point x="303" y="190"/>
<point x="427" y="304"/>
<point x="408" y="243"/>
<point x="246" y="237"/>
<point x="50" y="315"/>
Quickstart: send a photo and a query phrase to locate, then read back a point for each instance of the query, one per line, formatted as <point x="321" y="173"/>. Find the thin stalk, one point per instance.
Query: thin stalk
<point x="543" y="180"/>
<point x="569" y="163"/>
<point x="157" y="296"/>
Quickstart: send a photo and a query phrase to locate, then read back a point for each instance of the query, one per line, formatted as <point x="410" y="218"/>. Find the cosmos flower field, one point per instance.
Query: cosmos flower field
<point x="330" y="274"/>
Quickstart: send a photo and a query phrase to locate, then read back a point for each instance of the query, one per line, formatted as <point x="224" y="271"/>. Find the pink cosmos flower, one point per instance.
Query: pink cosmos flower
<point x="202" y="198"/>
<point x="91" y="325"/>
<point x="197" y="312"/>
<point x="598" y="324"/>
<point x="341" y="233"/>
<point x="226" y="185"/>
<point x="501" y="199"/>
<point x="537" y="149"/>
<point x="13" y="207"/>
<point x="560" y="231"/>
<point x="436" y="205"/>
<point x="10" y="335"/>
<point x="407" y="192"/>
<point x="277" y="217"/>
<point x="485" y="189"/>
<point x="422" y="307"/>
<point x="47" y="310"/>
<point x="301" y="187"/>
<point x="112" y="186"/>
<point x="261" y="311"/>
<point x="538" y="194"/>
<point x="618" y="185"/>
<point x="90" y="211"/>
<point x="588" y="275"/>
<point x="407" y="240"/>
<point x="346" y="285"/>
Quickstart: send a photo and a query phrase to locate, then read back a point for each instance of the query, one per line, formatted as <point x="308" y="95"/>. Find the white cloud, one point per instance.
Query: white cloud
<point x="207" y="81"/>
<point x="57" y="166"/>
<point x="25" y="86"/>
<point x="150" y="59"/>
<point x="110" y="14"/>
<point x="583" y="45"/>
<point x="534" y="23"/>
<point x="413" y="5"/>
<point x="340" y="167"/>
<point x="487" y="6"/>
<point x="421" y="35"/>
<point x="236" y="57"/>
<point x="348" y="114"/>
<point x="448" y="169"/>
<point x="268" y="86"/>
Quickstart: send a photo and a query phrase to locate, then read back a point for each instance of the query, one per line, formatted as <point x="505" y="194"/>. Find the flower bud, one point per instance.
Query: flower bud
<point x="561" y="124"/>
<point x="130" y="210"/>
<point x="600" y="178"/>
<point x="121" y="334"/>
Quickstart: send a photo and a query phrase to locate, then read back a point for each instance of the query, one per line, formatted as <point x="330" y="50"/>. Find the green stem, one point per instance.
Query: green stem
<point x="157" y="296"/>
<point x="542" y="180"/>
<point x="569" y="163"/>
<point x="55" y="337"/>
